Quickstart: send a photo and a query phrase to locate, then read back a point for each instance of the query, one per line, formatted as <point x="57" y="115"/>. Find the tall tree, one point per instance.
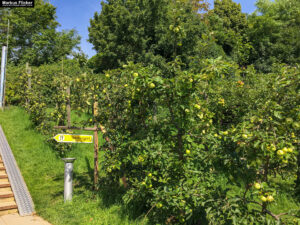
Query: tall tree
<point x="144" y="30"/>
<point x="33" y="37"/>
<point x="275" y="33"/>
<point x="229" y="26"/>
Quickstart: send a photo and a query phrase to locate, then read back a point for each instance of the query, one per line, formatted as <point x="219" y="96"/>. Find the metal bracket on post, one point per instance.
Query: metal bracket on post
<point x="68" y="188"/>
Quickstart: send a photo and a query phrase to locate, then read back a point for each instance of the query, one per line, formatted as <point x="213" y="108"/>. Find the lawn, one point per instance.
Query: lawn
<point x="43" y="172"/>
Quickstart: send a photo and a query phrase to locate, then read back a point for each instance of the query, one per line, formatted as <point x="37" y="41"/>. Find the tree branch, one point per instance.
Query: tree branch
<point x="276" y="217"/>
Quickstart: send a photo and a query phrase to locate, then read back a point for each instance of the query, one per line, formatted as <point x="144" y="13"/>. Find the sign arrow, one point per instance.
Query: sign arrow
<point x="73" y="138"/>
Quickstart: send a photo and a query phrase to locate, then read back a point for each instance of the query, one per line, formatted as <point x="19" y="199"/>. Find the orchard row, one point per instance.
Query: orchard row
<point x="210" y="144"/>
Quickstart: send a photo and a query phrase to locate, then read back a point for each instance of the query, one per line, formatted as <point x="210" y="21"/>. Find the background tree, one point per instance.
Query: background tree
<point x="274" y="32"/>
<point x="145" y="31"/>
<point x="33" y="37"/>
<point x="229" y="26"/>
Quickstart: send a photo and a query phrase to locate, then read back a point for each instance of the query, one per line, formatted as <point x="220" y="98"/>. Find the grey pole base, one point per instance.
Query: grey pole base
<point x="68" y="188"/>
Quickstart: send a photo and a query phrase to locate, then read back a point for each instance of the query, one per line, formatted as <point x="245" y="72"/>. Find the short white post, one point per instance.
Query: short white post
<point x="68" y="188"/>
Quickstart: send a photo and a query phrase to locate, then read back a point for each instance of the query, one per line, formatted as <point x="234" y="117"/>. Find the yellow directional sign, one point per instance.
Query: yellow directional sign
<point x="73" y="138"/>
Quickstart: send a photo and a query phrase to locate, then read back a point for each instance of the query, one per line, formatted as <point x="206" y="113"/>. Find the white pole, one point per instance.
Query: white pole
<point x="68" y="181"/>
<point x="2" y="77"/>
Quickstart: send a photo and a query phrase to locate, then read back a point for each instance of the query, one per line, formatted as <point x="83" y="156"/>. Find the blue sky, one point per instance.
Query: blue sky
<point x="77" y="14"/>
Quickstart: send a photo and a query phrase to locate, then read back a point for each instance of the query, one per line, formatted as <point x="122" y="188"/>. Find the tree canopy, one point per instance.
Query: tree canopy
<point x="33" y="37"/>
<point x="274" y="33"/>
<point x="145" y="31"/>
<point x="159" y="31"/>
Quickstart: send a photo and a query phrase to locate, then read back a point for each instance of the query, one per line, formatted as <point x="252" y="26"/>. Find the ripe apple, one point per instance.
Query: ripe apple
<point x="280" y="152"/>
<point x="263" y="198"/>
<point x="273" y="147"/>
<point x="159" y="205"/>
<point x="270" y="198"/>
<point x="257" y="185"/>
<point x="152" y="85"/>
<point x="197" y="106"/>
<point x="245" y="136"/>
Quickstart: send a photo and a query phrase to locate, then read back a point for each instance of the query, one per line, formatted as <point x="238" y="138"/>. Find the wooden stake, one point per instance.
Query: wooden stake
<point x="75" y="128"/>
<point x="28" y="71"/>
<point x="68" y="107"/>
<point x="95" y="148"/>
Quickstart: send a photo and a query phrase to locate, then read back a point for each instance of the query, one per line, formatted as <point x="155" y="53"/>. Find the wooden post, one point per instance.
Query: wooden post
<point x="68" y="107"/>
<point x="95" y="148"/>
<point x="28" y="71"/>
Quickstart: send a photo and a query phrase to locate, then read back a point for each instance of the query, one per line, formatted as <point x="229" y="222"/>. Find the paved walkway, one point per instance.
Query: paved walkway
<point x="16" y="219"/>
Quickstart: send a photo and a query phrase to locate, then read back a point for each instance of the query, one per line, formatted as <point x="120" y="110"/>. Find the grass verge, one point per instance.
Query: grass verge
<point x="43" y="172"/>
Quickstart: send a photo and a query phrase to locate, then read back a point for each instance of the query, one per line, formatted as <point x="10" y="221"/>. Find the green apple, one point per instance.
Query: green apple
<point x="270" y="198"/>
<point x="263" y="198"/>
<point x="257" y="185"/>
<point x="280" y="152"/>
<point x="159" y="205"/>
<point x="152" y="85"/>
<point x="197" y="106"/>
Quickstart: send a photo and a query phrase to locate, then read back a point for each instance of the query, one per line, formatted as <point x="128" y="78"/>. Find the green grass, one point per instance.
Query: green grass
<point x="43" y="172"/>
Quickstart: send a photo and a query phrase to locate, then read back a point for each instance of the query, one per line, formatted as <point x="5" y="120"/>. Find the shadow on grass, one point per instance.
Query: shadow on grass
<point x="112" y="193"/>
<point x="84" y="181"/>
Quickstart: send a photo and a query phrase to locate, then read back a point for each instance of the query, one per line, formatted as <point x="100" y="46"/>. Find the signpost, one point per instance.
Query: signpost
<point x="73" y="138"/>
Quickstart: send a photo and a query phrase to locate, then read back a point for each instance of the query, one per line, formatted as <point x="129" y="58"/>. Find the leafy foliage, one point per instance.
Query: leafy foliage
<point x="181" y="138"/>
<point x="32" y="35"/>
<point x="229" y="27"/>
<point x="197" y="138"/>
<point x="274" y="33"/>
<point x="141" y="31"/>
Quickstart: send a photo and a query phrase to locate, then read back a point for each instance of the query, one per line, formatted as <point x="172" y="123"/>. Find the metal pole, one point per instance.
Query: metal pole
<point x="68" y="187"/>
<point x="3" y="104"/>
<point x="2" y="77"/>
